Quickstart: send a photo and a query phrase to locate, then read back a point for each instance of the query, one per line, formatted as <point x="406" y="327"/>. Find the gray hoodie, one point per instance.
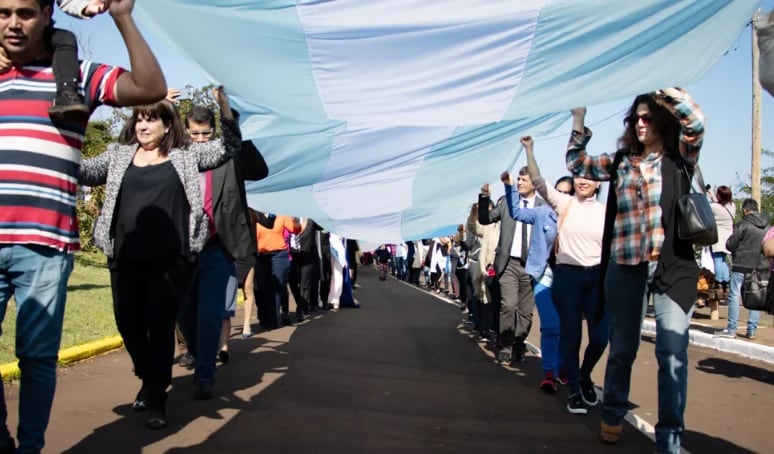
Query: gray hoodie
<point x="745" y="243"/>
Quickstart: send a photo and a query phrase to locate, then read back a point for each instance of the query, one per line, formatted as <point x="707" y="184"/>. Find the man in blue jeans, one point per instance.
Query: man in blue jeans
<point x="747" y="255"/>
<point x="206" y="321"/>
<point x="39" y="163"/>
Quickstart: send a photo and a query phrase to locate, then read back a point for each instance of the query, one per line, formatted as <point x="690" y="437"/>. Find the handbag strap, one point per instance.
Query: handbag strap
<point x="697" y="176"/>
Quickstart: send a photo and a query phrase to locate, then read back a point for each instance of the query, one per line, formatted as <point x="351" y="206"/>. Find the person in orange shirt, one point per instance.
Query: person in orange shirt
<point x="272" y="266"/>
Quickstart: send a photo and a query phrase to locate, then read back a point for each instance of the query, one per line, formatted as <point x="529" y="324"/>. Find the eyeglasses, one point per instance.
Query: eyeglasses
<point x="646" y="119"/>
<point x="200" y="133"/>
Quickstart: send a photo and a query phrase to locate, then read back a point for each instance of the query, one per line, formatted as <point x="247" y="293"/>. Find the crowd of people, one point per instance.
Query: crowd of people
<point x="560" y="250"/>
<point x="180" y="239"/>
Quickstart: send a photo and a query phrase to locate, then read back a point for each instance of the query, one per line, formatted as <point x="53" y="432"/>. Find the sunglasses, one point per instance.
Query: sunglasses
<point x="646" y="119"/>
<point x="200" y="133"/>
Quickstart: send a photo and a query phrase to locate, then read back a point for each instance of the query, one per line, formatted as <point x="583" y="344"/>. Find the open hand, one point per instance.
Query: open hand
<point x="173" y="94"/>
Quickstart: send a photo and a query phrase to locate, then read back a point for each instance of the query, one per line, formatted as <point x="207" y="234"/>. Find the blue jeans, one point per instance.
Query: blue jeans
<point x="549" y="330"/>
<point x="575" y="292"/>
<point x="734" y="293"/>
<point x="215" y="289"/>
<point x="271" y="280"/>
<point x="625" y="291"/>
<point x="721" y="266"/>
<point x="36" y="276"/>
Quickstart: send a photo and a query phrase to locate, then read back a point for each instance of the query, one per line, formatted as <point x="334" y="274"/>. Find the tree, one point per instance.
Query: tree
<point x="767" y="188"/>
<point x="96" y="139"/>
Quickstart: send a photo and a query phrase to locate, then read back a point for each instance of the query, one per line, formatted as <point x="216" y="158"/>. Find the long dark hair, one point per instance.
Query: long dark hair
<point x="664" y="125"/>
<point x="164" y="111"/>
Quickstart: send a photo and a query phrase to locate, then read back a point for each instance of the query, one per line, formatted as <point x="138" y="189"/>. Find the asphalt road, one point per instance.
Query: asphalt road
<point x="397" y="375"/>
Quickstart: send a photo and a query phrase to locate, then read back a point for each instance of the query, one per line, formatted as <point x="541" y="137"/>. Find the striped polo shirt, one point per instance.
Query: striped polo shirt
<point x="40" y="157"/>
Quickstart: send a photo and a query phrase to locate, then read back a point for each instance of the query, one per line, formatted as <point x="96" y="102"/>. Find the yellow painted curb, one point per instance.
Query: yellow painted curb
<point x="10" y="371"/>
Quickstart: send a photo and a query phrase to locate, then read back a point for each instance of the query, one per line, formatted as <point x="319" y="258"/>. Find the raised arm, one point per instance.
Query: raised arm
<point x="94" y="171"/>
<point x="145" y="84"/>
<point x="215" y="152"/>
<point x="579" y="163"/>
<point x="485" y="215"/>
<point x="684" y="108"/>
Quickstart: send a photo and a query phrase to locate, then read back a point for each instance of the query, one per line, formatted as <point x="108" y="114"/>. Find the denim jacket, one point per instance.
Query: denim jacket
<point x="543" y="220"/>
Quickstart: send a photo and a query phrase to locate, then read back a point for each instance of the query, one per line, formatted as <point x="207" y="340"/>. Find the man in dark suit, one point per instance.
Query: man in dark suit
<point x="232" y="237"/>
<point x="304" y="277"/>
<point x="517" y="299"/>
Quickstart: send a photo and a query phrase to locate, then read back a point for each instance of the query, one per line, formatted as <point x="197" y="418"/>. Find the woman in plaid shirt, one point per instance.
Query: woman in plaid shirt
<point x="642" y="252"/>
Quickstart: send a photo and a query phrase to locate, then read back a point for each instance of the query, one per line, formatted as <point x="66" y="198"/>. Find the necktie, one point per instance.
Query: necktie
<point x="524" y="239"/>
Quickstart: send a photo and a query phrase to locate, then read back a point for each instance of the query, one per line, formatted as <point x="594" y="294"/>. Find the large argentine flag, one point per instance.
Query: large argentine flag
<point x="380" y="118"/>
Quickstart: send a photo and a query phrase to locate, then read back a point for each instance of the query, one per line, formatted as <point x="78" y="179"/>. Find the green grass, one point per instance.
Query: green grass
<point x="89" y="309"/>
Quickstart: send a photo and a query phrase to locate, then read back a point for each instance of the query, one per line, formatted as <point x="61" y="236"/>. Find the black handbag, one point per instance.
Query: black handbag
<point x="755" y="293"/>
<point x="695" y="221"/>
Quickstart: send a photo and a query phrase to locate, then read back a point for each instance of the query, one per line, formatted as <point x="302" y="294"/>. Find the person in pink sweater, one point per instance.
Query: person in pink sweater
<point x="581" y="219"/>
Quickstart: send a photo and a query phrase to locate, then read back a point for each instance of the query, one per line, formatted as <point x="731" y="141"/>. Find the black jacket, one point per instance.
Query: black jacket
<point x="308" y="238"/>
<point x="745" y="243"/>
<point x="229" y="201"/>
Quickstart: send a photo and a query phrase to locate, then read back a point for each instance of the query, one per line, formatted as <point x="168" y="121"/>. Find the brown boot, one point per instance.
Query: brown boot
<point x="609" y="434"/>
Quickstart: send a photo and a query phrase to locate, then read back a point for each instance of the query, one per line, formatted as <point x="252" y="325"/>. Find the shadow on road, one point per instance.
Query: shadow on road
<point x="709" y="443"/>
<point x="129" y="435"/>
<point x="735" y="369"/>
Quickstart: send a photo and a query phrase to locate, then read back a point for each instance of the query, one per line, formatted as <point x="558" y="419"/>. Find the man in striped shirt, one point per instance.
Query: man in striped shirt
<point x="39" y="165"/>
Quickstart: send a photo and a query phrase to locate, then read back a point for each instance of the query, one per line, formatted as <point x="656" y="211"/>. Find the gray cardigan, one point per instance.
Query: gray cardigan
<point x="110" y="166"/>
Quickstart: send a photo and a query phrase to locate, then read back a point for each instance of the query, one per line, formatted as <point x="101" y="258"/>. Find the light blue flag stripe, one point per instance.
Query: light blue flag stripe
<point x="605" y="50"/>
<point x="380" y="120"/>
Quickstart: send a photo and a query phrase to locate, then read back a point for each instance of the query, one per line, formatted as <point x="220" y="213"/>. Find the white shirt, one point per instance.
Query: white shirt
<point x="516" y="246"/>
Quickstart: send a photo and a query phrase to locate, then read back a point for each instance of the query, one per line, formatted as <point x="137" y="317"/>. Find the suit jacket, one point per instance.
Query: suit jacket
<point x="500" y="213"/>
<point x="231" y="215"/>
<point x="308" y="238"/>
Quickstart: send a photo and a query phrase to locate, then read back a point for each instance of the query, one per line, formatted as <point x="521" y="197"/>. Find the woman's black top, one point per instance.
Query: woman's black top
<point x="151" y="220"/>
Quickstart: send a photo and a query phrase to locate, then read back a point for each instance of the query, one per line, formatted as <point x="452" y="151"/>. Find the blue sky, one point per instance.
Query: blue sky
<point x="724" y="95"/>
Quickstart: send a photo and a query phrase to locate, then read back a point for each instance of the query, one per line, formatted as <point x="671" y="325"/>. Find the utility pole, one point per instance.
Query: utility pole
<point x="755" y="170"/>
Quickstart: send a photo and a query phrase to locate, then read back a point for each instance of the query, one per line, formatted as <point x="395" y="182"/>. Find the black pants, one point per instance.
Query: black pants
<point x="146" y="298"/>
<point x="490" y="313"/>
<point x="64" y="47"/>
<point x="271" y="279"/>
<point x="304" y="280"/>
<point x="325" y="276"/>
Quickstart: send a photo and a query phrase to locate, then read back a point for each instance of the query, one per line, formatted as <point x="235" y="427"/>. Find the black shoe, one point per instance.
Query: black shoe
<point x="519" y="353"/>
<point x="286" y="320"/>
<point x="9" y="447"/>
<point x="300" y="317"/>
<point x="589" y="393"/>
<point x="224" y="356"/>
<point x="141" y="401"/>
<point x="575" y="405"/>
<point x="157" y="418"/>
<point x="186" y="360"/>
<point x="68" y="105"/>
<point x="203" y="390"/>
<point x="504" y="356"/>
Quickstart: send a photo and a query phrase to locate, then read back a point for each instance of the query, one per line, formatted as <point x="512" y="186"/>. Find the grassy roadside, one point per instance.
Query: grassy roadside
<point x="89" y="309"/>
